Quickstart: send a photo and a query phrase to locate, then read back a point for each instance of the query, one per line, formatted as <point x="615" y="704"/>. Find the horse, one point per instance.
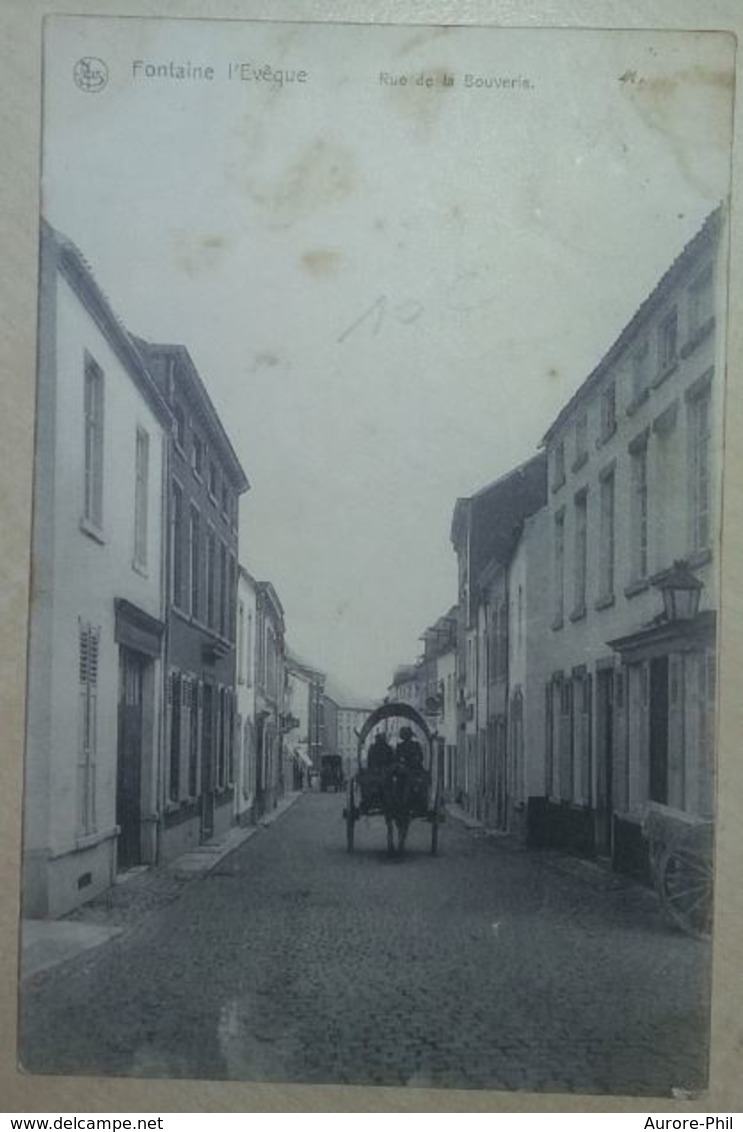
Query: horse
<point x="400" y="798"/>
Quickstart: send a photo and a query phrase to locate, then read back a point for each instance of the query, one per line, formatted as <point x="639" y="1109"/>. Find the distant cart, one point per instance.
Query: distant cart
<point x="680" y="850"/>
<point x="398" y="794"/>
<point x="331" y="773"/>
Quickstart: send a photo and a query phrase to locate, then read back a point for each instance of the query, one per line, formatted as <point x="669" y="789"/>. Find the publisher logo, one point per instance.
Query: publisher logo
<point x="90" y="74"/>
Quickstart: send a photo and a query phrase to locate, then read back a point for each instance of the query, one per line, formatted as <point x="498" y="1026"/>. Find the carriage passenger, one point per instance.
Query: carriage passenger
<point x="381" y="755"/>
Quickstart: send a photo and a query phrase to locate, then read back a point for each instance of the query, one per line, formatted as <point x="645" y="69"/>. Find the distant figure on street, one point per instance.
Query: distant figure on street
<point x="381" y="755"/>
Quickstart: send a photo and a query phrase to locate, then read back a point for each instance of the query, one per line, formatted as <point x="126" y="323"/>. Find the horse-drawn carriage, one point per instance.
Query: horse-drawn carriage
<point x="399" y="788"/>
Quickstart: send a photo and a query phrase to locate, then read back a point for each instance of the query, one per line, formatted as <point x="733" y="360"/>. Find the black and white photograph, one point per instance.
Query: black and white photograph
<point x="373" y="635"/>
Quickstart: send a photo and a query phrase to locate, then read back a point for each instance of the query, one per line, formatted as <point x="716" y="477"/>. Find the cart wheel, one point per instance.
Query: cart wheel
<point x="435" y="819"/>
<point x="685" y="884"/>
<point x="350" y="816"/>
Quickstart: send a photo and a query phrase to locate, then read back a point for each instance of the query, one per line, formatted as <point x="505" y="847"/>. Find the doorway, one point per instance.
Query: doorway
<point x="129" y="758"/>
<point x="658" y="786"/>
<point x="605" y="762"/>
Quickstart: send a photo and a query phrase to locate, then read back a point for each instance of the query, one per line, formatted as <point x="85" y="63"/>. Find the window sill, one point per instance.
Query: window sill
<point x="637" y="587"/>
<point x="579" y="462"/>
<point x="558" y="484"/>
<point x="140" y="569"/>
<point x="666" y="372"/>
<point x="578" y="614"/>
<point x="179" y="448"/>
<point x="698" y="337"/>
<point x="699" y="558"/>
<point x="636" y="402"/>
<point x="605" y="602"/>
<point x="606" y="436"/>
<point x="92" y="530"/>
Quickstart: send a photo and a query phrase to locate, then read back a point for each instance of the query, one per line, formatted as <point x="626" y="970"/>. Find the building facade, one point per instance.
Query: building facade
<point x="246" y="747"/>
<point x="97" y="614"/>
<point x="485" y="529"/>
<point x="633" y="510"/>
<point x="205" y="480"/>
<point x="269" y="698"/>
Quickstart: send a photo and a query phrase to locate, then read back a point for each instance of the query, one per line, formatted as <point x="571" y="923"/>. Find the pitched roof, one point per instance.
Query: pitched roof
<point x="706" y="237"/>
<point x="79" y="274"/>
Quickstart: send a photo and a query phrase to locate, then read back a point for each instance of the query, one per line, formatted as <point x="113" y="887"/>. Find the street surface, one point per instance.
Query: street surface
<point x="487" y="967"/>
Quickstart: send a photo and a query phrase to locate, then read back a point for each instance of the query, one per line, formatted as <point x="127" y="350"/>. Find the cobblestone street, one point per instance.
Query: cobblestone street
<point x="487" y="967"/>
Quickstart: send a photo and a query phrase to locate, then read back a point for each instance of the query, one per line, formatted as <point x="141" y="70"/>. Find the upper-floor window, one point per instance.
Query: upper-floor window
<point x="559" y="566"/>
<point x="226" y="499"/>
<point x="640" y="373"/>
<point x="581" y="552"/>
<point x="606" y="546"/>
<point x="213" y="479"/>
<point x="608" y="410"/>
<point x="141" y="496"/>
<point x="700" y="438"/>
<point x="668" y="342"/>
<point x="241" y="642"/>
<point x="194" y="555"/>
<point x="93" y="501"/>
<point x="581" y="440"/>
<point x="176" y="545"/>
<point x="209" y="578"/>
<point x="197" y="455"/>
<point x="223" y="590"/>
<point x="558" y="475"/>
<point x="639" y="512"/>
<point x="179" y="426"/>
<point x="701" y="305"/>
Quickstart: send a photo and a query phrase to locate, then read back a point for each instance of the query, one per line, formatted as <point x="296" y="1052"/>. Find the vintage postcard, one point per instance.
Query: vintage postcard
<point x="373" y="654"/>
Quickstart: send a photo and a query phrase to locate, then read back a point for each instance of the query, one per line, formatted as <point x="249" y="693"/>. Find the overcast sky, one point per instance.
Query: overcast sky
<point x="389" y="290"/>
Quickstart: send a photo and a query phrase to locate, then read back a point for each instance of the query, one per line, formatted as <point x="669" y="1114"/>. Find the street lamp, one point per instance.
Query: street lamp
<point x="681" y="590"/>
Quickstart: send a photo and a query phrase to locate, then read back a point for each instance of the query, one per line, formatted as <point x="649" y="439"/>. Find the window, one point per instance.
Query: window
<point x="640" y="374"/>
<point x="640" y="512"/>
<point x="209" y="581"/>
<point x="699" y="470"/>
<point x="668" y="342"/>
<point x="194" y="558"/>
<point x="141" y="496"/>
<point x="241" y="643"/>
<point x="93" y="443"/>
<point x="608" y="411"/>
<point x="223" y="592"/>
<point x="213" y="479"/>
<point x="559" y="465"/>
<point x="701" y="307"/>
<point x="559" y="567"/>
<point x="581" y="441"/>
<point x="179" y="427"/>
<point x="249" y="650"/>
<point x="89" y="637"/>
<point x="197" y="455"/>
<point x="226" y="499"/>
<point x="581" y="552"/>
<point x="176" y="523"/>
<point x="606" y="547"/>
<point x="232" y="597"/>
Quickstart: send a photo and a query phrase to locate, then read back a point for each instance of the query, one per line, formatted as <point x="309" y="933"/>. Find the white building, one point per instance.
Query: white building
<point x="95" y="667"/>
<point x="246" y="738"/>
<point x="634" y="488"/>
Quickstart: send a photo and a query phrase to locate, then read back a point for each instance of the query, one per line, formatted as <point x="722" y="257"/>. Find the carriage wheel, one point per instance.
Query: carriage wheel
<point x="435" y="819"/>
<point x="350" y="816"/>
<point x="686" y="884"/>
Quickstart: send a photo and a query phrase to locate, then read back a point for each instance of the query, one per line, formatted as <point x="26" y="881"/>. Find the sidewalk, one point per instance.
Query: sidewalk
<point x="596" y="872"/>
<point x="137" y="893"/>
